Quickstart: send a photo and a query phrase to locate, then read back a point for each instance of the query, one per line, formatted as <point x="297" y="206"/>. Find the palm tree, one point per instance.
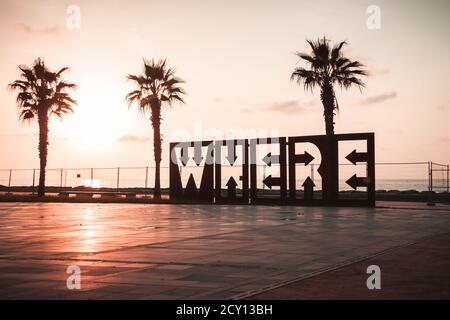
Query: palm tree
<point x="156" y="86"/>
<point x="42" y="93"/>
<point x="328" y="66"/>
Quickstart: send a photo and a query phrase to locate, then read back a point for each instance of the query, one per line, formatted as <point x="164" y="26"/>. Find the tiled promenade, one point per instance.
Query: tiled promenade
<point x="141" y="251"/>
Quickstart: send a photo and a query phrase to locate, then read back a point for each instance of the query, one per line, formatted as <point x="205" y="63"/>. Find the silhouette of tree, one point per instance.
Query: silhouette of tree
<point x="328" y="66"/>
<point x="42" y="93"/>
<point x="157" y="86"/>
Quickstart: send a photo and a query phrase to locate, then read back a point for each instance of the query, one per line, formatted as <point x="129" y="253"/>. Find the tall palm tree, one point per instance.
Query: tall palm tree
<point x="42" y="93"/>
<point x="156" y="86"/>
<point x="328" y="66"/>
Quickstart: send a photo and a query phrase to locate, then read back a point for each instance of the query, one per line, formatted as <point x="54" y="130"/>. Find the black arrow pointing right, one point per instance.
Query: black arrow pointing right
<point x="305" y="158"/>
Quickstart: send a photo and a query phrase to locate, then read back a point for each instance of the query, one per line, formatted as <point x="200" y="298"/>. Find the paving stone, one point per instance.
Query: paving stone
<point x="140" y="251"/>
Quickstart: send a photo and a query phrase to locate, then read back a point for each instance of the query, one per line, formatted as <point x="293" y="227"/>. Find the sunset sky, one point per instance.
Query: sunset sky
<point x="236" y="58"/>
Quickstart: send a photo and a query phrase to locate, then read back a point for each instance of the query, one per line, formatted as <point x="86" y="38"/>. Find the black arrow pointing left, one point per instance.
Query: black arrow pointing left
<point x="270" y="181"/>
<point x="355" y="157"/>
<point x="355" y="182"/>
<point x="269" y="159"/>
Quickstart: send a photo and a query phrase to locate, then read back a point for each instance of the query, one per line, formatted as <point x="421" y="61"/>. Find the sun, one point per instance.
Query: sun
<point x="98" y="120"/>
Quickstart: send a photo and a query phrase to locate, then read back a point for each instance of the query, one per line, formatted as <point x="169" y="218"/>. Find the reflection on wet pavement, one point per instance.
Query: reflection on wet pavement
<point x="139" y="251"/>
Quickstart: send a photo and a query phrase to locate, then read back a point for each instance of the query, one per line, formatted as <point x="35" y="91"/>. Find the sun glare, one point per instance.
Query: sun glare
<point x="97" y="121"/>
<point x="94" y="183"/>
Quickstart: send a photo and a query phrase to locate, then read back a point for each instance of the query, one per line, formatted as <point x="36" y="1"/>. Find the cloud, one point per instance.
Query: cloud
<point x="132" y="138"/>
<point x="379" y="98"/>
<point x="379" y="72"/>
<point x="20" y="135"/>
<point x="289" y="107"/>
<point x="55" y="30"/>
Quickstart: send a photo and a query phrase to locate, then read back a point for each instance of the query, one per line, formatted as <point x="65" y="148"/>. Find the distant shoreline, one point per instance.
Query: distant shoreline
<point x="24" y="194"/>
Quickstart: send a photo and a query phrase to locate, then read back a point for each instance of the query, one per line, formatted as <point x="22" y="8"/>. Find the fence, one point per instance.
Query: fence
<point x="438" y="176"/>
<point x="122" y="177"/>
<point x="420" y="176"/>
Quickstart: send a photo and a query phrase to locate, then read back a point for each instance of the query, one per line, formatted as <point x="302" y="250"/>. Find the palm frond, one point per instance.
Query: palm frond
<point x="63" y="85"/>
<point x="26" y="115"/>
<point x="352" y="64"/>
<point x="27" y="74"/>
<point x="306" y="57"/>
<point x="60" y="72"/>
<point x="309" y="78"/>
<point x="157" y="85"/>
<point x="347" y="82"/>
<point x="18" y="84"/>
<point x="138" y="79"/>
<point x="133" y="96"/>
<point x="24" y="96"/>
<point x="61" y="109"/>
<point x="175" y="97"/>
<point x="175" y="90"/>
<point x="328" y="66"/>
<point x="147" y="101"/>
<point x="42" y="90"/>
<point x="322" y="51"/>
<point x="336" y="52"/>
<point x="39" y="69"/>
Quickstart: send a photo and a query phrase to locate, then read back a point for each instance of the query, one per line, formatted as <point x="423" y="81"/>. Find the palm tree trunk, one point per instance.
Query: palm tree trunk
<point x="331" y="186"/>
<point x="43" y="150"/>
<point x="157" y="149"/>
<point x="327" y="97"/>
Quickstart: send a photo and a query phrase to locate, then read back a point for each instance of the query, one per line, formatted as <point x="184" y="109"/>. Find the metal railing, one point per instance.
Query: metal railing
<point x="420" y="176"/>
<point x="117" y="177"/>
<point x="438" y="176"/>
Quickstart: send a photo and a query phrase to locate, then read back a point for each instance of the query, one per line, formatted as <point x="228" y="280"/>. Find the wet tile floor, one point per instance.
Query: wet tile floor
<point x="138" y="251"/>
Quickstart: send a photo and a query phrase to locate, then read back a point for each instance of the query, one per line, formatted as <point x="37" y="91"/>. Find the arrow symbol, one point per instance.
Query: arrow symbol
<point x="231" y="155"/>
<point x="197" y="154"/>
<point x="184" y="155"/>
<point x="190" y="192"/>
<point x="269" y="159"/>
<point x="355" y="157"/>
<point x="305" y="158"/>
<point x="231" y="184"/>
<point x="308" y="185"/>
<point x="210" y="154"/>
<point x="355" y="182"/>
<point x="270" y="181"/>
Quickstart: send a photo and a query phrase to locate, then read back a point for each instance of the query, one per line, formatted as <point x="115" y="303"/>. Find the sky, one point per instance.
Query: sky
<point x="236" y="58"/>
